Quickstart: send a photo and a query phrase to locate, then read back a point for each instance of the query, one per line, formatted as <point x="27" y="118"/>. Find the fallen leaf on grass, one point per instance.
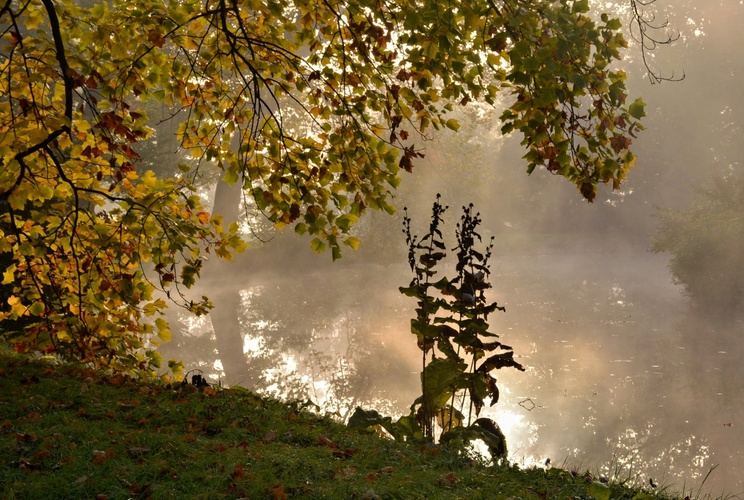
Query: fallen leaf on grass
<point x="269" y="437"/>
<point x="347" y="453"/>
<point x="325" y="441"/>
<point x="237" y="472"/>
<point x="277" y="493"/>
<point x="448" y="479"/>
<point x="25" y="465"/>
<point x="371" y="495"/>
<point x="34" y="416"/>
<point x="347" y="472"/>
<point x="81" y="480"/>
<point x="24" y="438"/>
<point x="100" y="456"/>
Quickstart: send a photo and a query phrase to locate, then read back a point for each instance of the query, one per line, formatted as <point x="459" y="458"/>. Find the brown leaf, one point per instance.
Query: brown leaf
<point x="277" y="492"/>
<point x="448" y="479"/>
<point x="325" y="441"/>
<point x="620" y="142"/>
<point x="269" y="437"/>
<point x="24" y="438"/>
<point x="100" y="456"/>
<point x="155" y="38"/>
<point x="237" y="472"/>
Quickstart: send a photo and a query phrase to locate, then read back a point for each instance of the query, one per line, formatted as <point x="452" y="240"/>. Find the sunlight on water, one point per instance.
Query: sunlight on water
<point x="611" y="388"/>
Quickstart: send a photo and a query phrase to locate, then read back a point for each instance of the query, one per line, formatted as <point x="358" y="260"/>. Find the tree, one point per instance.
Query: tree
<point x="706" y="240"/>
<point x="312" y="107"/>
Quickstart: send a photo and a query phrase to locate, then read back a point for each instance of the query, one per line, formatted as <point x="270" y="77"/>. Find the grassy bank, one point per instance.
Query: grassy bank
<point x="72" y="433"/>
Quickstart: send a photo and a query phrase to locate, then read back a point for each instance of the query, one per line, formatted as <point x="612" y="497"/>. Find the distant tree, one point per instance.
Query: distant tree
<point x="362" y="79"/>
<point x="706" y="240"/>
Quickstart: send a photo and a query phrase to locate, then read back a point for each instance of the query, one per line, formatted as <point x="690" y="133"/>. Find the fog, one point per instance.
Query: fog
<point x="623" y="375"/>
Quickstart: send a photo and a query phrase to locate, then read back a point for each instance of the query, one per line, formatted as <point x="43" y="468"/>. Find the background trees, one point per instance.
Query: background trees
<point x="706" y="240"/>
<point x="313" y="108"/>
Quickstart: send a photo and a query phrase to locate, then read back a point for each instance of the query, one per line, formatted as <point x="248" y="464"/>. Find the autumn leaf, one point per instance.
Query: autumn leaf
<point x="448" y="479"/>
<point x="277" y="492"/>
<point x="238" y="472"/>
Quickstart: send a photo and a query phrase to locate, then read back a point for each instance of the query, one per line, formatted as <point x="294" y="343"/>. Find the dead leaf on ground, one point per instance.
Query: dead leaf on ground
<point x="277" y="493"/>
<point x="237" y="472"/>
<point x="448" y="479"/>
<point x="101" y="456"/>
<point x="24" y="438"/>
<point x="326" y="441"/>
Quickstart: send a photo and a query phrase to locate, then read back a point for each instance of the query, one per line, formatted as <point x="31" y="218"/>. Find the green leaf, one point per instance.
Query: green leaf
<point x="317" y="245"/>
<point x="441" y="377"/>
<point x="637" y="109"/>
<point x="36" y="309"/>
<point x="452" y="124"/>
<point x="580" y="6"/>
<point x="599" y="491"/>
<point x="365" y="420"/>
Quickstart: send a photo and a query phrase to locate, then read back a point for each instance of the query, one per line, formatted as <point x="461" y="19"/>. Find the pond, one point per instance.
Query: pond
<point x="621" y="378"/>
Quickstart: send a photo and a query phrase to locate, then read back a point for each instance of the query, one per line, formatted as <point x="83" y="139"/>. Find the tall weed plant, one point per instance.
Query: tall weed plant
<point x="458" y="352"/>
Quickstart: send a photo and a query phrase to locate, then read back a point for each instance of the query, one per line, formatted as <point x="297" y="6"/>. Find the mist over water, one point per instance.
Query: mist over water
<point x="623" y="376"/>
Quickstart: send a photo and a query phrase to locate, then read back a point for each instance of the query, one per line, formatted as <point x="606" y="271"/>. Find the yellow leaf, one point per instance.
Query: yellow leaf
<point x="163" y="330"/>
<point x="9" y="275"/>
<point x="35" y="16"/>
<point x="452" y="124"/>
<point x="203" y="217"/>
<point x="353" y="242"/>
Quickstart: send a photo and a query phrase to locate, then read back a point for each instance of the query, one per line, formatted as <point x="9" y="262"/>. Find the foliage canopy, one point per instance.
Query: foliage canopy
<point x="313" y="107"/>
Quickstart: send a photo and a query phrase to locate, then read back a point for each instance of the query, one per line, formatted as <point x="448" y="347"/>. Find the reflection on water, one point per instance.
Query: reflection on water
<point x="620" y="377"/>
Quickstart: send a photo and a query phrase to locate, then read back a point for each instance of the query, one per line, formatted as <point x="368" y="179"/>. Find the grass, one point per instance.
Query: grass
<point x="69" y="432"/>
